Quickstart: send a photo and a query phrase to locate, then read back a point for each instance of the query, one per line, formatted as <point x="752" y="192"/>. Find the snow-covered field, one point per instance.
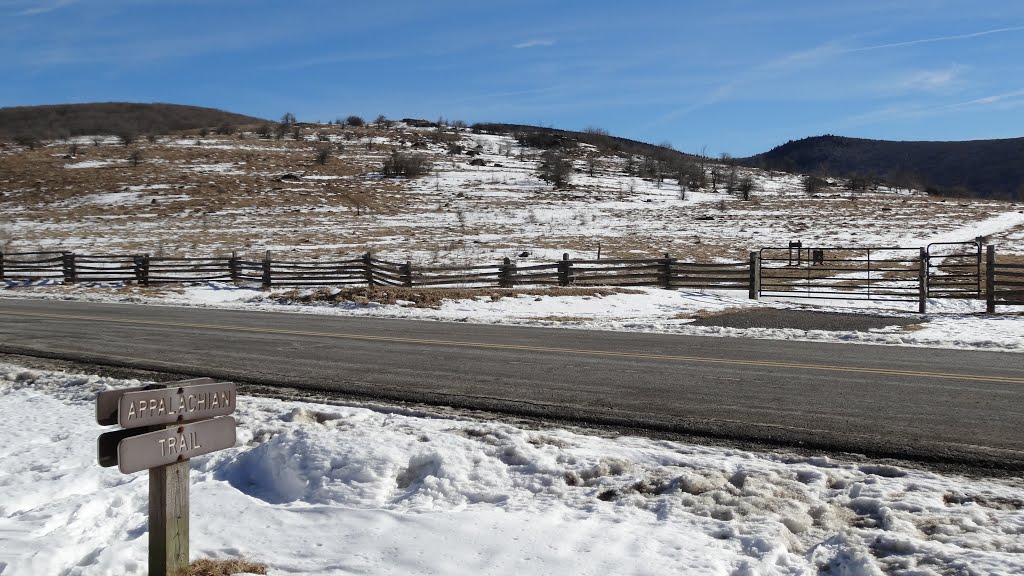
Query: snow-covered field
<point x="214" y="194"/>
<point x="356" y="489"/>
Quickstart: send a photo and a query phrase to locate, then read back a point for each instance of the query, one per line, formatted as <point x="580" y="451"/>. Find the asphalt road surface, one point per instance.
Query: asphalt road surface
<point x="964" y="407"/>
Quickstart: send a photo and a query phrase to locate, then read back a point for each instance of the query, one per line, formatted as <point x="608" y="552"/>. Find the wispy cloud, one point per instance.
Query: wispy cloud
<point x="1002" y="101"/>
<point x="931" y="80"/>
<point x="33" y="8"/>
<point x="825" y="52"/>
<point x="535" y="43"/>
<point x="931" y="40"/>
<point x="327" y="60"/>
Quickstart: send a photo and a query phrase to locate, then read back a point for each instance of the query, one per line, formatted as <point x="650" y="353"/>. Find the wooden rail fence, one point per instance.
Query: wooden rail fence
<point x="367" y="270"/>
<point x="878" y="273"/>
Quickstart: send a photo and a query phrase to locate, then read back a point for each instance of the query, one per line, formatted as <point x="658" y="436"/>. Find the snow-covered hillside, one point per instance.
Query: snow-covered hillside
<point x="481" y="201"/>
<point x="347" y="489"/>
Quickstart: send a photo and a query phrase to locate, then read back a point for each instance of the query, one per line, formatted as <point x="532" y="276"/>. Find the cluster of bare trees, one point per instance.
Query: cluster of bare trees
<point x="405" y="165"/>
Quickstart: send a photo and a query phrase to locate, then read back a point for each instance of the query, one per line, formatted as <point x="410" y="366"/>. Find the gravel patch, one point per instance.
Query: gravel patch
<point x="803" y="320"/>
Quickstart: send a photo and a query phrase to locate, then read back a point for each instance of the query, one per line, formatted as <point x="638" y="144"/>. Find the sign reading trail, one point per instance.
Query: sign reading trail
<point x="175" y="444"/>
<point x="163" y="425"/>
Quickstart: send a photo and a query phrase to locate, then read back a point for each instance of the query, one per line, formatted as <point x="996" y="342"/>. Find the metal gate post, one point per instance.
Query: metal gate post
<point x="922" y="297"/>
<point x="755" y="276"/>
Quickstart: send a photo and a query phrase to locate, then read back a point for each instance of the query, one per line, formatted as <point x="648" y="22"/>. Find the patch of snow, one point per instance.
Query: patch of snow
<point x="340" y="489"/>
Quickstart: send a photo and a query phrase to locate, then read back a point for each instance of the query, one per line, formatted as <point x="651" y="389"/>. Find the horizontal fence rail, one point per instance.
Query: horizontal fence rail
<point x="367" y="270"/>
<point x="879" y="273"/>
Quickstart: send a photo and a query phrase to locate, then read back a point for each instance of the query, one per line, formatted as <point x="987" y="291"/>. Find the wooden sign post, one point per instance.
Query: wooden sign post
<point x="164" y="425"/>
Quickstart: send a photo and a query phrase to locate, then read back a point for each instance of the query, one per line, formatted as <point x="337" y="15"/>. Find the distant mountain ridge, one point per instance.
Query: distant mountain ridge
<point x="62" y="120"/>
<point x="989" y="168"/>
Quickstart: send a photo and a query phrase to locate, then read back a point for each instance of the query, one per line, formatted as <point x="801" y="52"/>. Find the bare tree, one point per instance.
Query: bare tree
<point x="135" y="157"/>
<point x="745" y="186"/>
<point x="813" y="184"/>
<point x="288" y="118"/>
<point x="126" y="138"/>
<point x="592" y="165"/>
<point x="323" y="153"/>
<point x="355" y="121"/>
<point x="716" y="176"/>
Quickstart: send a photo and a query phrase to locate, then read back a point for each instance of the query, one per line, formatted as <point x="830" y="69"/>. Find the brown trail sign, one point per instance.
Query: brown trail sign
<point x="175" y="444"/>
<point x="169" y="405"/>
<point x="163" y="426"/>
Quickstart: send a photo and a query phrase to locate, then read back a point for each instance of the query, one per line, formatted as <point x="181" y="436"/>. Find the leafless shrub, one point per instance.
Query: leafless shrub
<point x="30" y="142"/>
<point x="745" y="187"/>
<point x="355" y="121"/>
<point x="323" y="153"/>
<point x="405" y="165"/>
<point x="135" y="157"/>
<point x="814" y="184"/>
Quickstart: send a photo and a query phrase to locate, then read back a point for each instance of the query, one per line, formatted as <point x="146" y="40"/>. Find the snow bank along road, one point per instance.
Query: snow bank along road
<point x="920" y="403"/>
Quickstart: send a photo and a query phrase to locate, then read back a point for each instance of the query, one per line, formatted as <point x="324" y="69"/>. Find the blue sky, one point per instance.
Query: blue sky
<point x="729" y="76"/>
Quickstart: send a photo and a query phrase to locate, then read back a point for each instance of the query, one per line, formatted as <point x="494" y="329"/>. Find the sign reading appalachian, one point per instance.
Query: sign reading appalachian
<point x="162" y="426"/>
<point x="175" y="404"/>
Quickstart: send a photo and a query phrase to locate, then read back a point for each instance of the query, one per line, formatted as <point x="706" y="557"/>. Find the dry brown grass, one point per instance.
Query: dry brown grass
<point x="431" y="297"/>
<point x="207" y="567"/>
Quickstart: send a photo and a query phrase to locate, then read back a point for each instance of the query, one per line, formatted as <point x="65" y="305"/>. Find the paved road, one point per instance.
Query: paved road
<point x="941" y="405"/>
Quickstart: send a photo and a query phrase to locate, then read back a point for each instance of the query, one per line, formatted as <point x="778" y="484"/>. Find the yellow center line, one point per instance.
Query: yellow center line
<point x="527" y="348"/>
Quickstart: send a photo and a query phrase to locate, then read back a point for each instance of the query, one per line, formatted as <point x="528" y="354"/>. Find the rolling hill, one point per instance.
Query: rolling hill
<point x="62" y="120"/>
<point x="987" y="168"/>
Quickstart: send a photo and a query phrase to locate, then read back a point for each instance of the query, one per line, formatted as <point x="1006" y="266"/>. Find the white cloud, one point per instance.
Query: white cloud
<point x="931" y="80"/>
<point x="34" y="8"/>
<point x="935" y="39"/>
<point x="1003" y="101"/>
<point x="535" y="43"/>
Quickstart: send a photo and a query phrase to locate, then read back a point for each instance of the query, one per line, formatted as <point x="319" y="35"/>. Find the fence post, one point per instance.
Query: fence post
<point x="68" y="262"/>
<point x="564" y="266"/>
<point x="267" y="278"/>
<point x="507" y="274"/>
<point x="922" y="277"/>
<point x="141" y="264"/>
<point x="1" y="265"/>
<point x="666" y="271"/>
<point x="406" y="271"/>
<point x="233" y="266"/>
<point x="990" y="279"/>
<point x="368" y="269"/>
<point x="755" y="276"/>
